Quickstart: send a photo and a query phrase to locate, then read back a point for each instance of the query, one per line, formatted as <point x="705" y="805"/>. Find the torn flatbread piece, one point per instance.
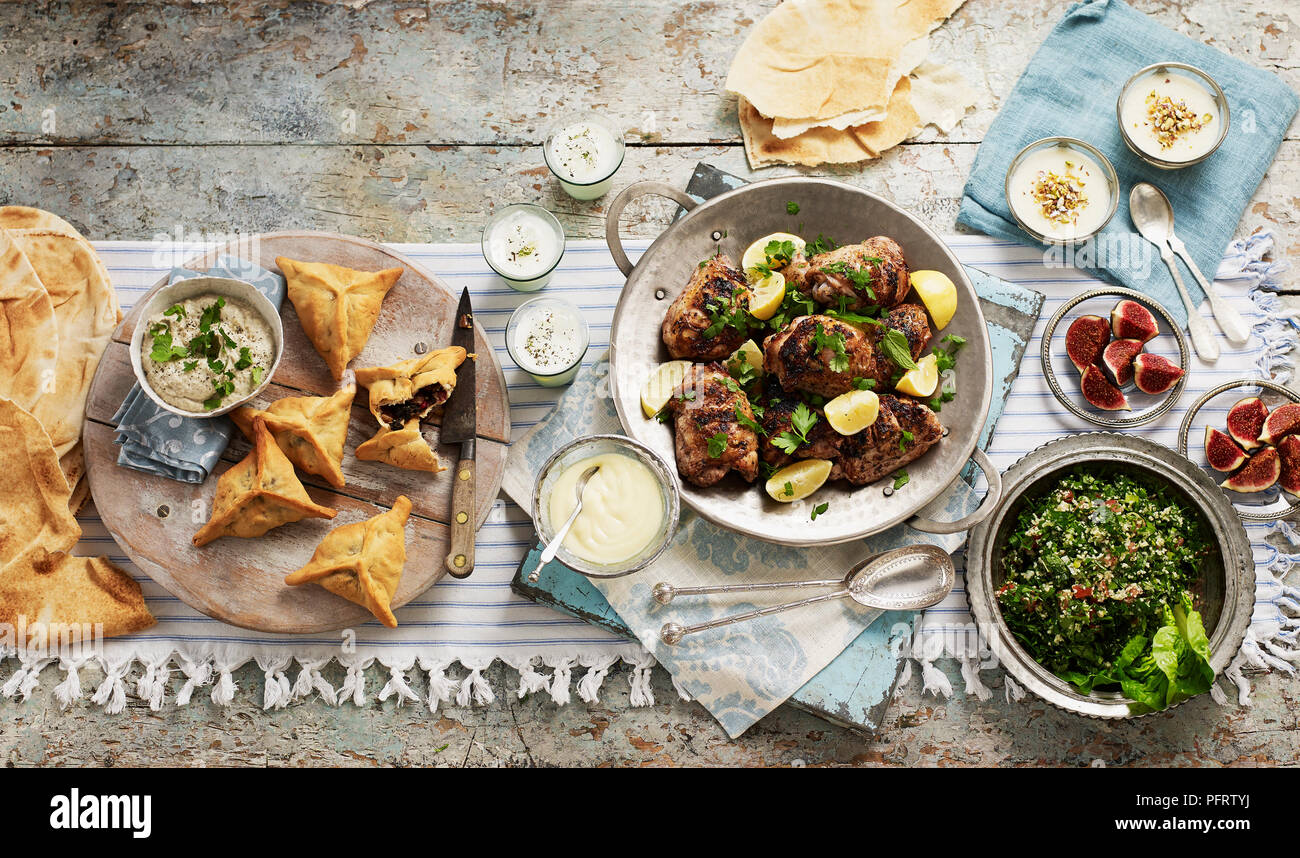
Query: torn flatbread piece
<point x="337" y="306"/>
<point x="310" y="430"/>
<point x="58" y="591"/>
<point x="260" y="493"/>
<point x="29" y="333"/>
<point x="362" y="561"/>
<point x="34" y="514"/>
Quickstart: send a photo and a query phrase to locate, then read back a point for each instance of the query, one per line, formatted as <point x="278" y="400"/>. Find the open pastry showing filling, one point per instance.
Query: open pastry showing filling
<point x="403" y="394"/>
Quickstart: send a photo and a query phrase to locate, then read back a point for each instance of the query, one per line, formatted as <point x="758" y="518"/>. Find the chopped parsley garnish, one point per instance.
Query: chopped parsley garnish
<point x="792" y="208"/>
<point x="789" y="489"/>
<point x="821" y="244"/>
<point x="745" y="420"/>
<point x="163" y="350"/>
<point x="744" y="372"/>
<point x="730" y="315"/>
<point x="860" y="278"/>
<point x="819" y="509"/>
<point x="904" y="440"/>
<point x="174" y="310"/>
<point x="802" y="419"/>
<point x="245" y="357"/>
<point x="901" y="479"/>
<point x="947" y="358"/>
<point x="833" y="341"/>
<point x="717" y="445"/>
<point x="860" y="383"/>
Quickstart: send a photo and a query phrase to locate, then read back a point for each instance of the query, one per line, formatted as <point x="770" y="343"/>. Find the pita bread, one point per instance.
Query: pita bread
<point x="820" y="59"/>
<point x="940" y="96"/>
<point x="337" y="306"/>
<point x="362" y="561"/>
<point x="812" y="148"/>
<point x="26" y="217"/>
<point x="61" y="589"/>
<point x="260" y="493"/>
<point x="29" y="333"/>
<point x="402" y="448"/>
<point x="34" y="514"/>
<point x="310" y="430"/>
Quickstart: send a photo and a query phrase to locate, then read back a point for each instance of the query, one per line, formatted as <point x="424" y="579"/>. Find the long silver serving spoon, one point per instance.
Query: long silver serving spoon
<point x="904" y="579"/>
<point x="549" y="554"/>
<point x="1154" y="218"/>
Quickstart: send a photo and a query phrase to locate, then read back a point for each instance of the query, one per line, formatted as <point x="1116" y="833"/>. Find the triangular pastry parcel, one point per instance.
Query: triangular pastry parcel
<point x="61" y="589"/>
<point x="34" y="514"/>
<point x="258" y="494"/>
<point x="401" y="448"/>
<point x="337" y="306"/>
<point x="362" y="561"/>
<point x="309" y="429"/>
<point x="411" y="388"/>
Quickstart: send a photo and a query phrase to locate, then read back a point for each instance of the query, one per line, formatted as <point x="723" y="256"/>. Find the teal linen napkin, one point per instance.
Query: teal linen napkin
<point x="1071" y="87"/>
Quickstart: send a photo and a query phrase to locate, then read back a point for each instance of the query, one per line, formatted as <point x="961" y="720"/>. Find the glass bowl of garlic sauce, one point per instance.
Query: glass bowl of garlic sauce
<point x="630" y="507"/>
<point x="523" y="243"/>
<point x="584" y="152"/>
<point x="1172" y="115"/>
<point x="547" y="338"/>
<point x="1060" y="189"/>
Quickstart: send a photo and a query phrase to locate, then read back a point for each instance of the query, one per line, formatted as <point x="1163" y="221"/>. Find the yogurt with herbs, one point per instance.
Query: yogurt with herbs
<point x="622" y="508"/>
<point x="1060" y="192"/>
<point x="523" y="245"/>
<point x="206" y="351"/>
<point x="584" y="154"/>
<point x="547" y="338"/>
<point x="1170" y="116"/>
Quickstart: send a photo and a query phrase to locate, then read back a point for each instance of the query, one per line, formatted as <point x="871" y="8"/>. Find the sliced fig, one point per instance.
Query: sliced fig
<point x="1288" y="450"/>
<point x="1246" y="421"/>
<point x="1117" y="360"/>
<point x="1131" y="321"/>
<point x="1086" y="340"/>
<point x="1260" y="472"/>
<point x="1098" y="390"/>
<point x="1282" y="421"/>
<point x="1222" y="452"/>
<point x="1155" y="373"/>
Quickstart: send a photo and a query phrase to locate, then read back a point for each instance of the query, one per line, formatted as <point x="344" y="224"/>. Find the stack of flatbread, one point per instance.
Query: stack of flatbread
<point x="57" y="312"/>
<point x="841" y="81"/>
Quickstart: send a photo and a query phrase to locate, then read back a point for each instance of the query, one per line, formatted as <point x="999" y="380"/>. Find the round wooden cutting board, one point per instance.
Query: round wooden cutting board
<point x="241" y="581"/>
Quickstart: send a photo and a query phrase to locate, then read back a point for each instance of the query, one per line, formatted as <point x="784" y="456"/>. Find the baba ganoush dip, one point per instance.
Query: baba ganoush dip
<point x="206" y="351"/>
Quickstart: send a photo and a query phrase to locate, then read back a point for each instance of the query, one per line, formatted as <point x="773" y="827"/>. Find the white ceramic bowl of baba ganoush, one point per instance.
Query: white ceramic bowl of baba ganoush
<point x="239" y="344"/>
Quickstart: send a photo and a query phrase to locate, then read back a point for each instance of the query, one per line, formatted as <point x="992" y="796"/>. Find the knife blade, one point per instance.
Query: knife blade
<point x="459" y="426"/>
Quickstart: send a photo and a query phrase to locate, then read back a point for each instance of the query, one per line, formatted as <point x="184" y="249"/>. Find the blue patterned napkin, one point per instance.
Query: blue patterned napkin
<point x="1070" y="88"/>
<point x="158" y="442"/>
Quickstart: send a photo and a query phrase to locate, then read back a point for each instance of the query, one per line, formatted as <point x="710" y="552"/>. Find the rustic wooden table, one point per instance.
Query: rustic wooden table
<point x="413" y="121"/>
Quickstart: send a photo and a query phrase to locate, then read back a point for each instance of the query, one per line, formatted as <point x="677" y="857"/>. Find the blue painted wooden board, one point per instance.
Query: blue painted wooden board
<point x="854" y="689"/>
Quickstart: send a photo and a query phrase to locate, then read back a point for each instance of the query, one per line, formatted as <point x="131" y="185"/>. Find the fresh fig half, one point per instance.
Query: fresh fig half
<point x="1222" y="452"/>
<point x="1282" y="421"/>
<point x="1086" y="340"/>
<point x="1098" y="390"/>
<point x="1260" y="472"/>
<point x="1246" y="421"/>
<point x="1288" y="450"/>
<point x="1117" y="360"/>
<point x="1155" y="373"/>
<point x="1131" y="321"/>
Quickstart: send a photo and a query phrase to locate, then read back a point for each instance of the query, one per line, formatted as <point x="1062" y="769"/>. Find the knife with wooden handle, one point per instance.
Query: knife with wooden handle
<point x="459" y="425"/>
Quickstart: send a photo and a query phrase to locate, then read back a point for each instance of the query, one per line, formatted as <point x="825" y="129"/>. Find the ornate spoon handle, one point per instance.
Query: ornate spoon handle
<point x="1232" y="324"/>
<point x="665" y="592"/>
<point x="671" y="633"/>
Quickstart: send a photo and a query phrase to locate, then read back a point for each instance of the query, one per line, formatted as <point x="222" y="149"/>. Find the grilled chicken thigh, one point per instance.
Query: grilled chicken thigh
<point x="705" y="409"/>
<point x="778" y="408"/>
<point x="913" y="323"/>
<point x="871" y="273"/>
<point x="715" y="285"/>
<point x="799" y="357"/>
<point x="882" y="448"/>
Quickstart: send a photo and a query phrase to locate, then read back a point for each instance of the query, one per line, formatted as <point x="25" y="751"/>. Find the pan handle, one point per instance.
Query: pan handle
<point x="631" y="192"/>
<point x="985" y="509"/>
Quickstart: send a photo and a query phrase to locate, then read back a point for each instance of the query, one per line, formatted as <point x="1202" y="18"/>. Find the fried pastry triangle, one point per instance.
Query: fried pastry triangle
<point x="412" y="388"/>
<point x="401" y="448"/>
<point x="259" y="493"/>
<point x="362" y="561"/>
<point x="337" y="306"/>
<point x="310" y="430"/>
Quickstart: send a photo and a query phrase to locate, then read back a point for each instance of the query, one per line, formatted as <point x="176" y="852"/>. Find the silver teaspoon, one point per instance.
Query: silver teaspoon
<point x="549" y="553"/>
<point x="904" y="579"/>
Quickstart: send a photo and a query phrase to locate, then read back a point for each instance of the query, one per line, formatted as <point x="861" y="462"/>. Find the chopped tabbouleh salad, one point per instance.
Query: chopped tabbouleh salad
<point x="1098" y="574"/>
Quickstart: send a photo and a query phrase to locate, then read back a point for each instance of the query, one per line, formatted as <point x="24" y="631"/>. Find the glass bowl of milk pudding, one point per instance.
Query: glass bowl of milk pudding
<point x="1061" y="189"/>
<point x="630" y="507"/>
<point x="523" y="243"/>
<point x="1172" y="115"/>
<point x="547" y="338"/>
<point x="584" y="152"/>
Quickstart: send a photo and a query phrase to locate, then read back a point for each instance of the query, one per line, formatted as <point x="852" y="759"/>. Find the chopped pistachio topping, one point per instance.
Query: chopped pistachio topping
<point x="1060" y="194"/>
<point x="1171" y="119"/>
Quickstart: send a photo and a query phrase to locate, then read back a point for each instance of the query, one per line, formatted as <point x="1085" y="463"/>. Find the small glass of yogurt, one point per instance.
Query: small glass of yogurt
<point x="1172" y="115"/>
<point x="1061" y="189"/>
<point x="523" y="243"/>
<point x="584" y="152"/>
<point x="547" y="338"/>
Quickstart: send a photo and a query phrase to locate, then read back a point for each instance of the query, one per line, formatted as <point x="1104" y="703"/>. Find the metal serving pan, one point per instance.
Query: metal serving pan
<point x="730" y="222"/>
<point x="1227" y="584"/>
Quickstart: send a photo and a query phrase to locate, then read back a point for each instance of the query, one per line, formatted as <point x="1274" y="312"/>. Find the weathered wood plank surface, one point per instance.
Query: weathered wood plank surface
<point x="413" y="121"/>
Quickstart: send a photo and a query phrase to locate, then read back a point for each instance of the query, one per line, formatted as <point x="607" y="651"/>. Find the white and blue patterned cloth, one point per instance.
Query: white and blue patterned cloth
<point x="156" y="441"/>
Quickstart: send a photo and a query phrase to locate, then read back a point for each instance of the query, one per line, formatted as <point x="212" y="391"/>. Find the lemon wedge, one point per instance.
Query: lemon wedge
<point x="797" y="481"/>
<point x="938" y="294"/>
<point x="659" y="387"/>
<point x="756" y="253"/>
<point x="850" y="413"/>
<point x="750" y="353"/>
<point x="768" y="295"/>
<point x="920" y="381"/>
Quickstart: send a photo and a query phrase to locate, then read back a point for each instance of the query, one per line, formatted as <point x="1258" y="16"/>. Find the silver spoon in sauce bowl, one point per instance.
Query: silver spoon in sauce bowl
<point x="553" y="548"/>
<point x="904" y="579"/>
